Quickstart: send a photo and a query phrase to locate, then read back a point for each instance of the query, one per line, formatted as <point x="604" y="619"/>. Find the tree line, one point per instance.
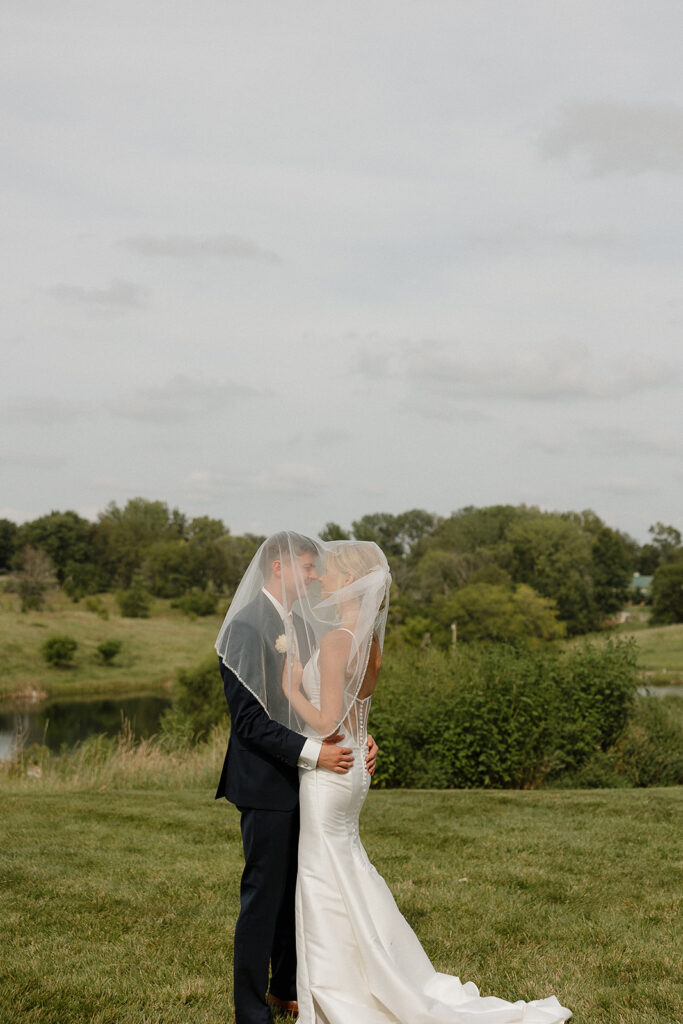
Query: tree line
<point x="502" y="572"/>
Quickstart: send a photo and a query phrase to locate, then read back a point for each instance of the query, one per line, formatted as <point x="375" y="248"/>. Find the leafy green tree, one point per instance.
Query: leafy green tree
<point x="136" y="601"/>
<point x="648" y="560"/>
<point x="667" y="594"/>
<point x="612" y="568"/>
<point x="241" y="550"/>
<point x="554" y="556"/>
<point x="333" y="531"/>
<point x="205" y="530"/>
<point x="167" y="567"/>
<point x="489" y="611"/>
<point x="476" y="529"/>
<point x="383" y="528"/>
<point x="8" y="535"/>
<point x="667" y="541"/>
<point x="83" y="579"/>
<point x="215" y="557"/>
<point x="123" y="536"/>
<point x="440" y="572"/>
<point x="65" y="536"/>
<point x="395" y="534"/>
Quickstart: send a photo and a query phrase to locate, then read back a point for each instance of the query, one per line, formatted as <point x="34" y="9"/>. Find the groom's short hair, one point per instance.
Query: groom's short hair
<point x="279" y="546"/>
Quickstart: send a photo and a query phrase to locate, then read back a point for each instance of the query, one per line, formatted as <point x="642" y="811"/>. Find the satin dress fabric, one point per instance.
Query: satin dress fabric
<point x="358" y="959"/>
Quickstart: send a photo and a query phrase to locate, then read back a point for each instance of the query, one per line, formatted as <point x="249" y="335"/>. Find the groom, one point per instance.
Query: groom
<point x="260" y="776"/>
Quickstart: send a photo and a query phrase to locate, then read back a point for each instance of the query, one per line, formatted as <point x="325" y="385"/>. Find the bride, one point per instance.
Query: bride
<point x="359" y="961"/>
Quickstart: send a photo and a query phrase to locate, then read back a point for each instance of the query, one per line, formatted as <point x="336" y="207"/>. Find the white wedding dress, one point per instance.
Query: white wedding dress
<point x="359" y="961"/>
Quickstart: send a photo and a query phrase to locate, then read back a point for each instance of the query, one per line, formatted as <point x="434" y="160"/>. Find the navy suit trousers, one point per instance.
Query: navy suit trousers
<point x="265" y="930"/>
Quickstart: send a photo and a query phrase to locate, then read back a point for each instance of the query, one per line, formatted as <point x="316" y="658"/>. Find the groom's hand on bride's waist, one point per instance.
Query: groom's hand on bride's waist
<point x="371" y="756"/>
<point x="333" y="757"/>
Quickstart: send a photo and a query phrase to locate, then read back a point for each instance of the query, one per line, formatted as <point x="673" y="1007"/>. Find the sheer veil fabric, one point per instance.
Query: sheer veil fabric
<point x="331" y="597"/>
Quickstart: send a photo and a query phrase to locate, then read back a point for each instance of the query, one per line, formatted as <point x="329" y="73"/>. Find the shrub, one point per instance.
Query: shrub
<point x="496" y="715"/>
<point x="649" y="753"/>
<point x="59" y="651"/>
<point x="108" y="650"/>
<point x="136" y="602"/>
<point x="197" y="602"/>
<point x="95" y="605"/>
<point x="198" y="701"/>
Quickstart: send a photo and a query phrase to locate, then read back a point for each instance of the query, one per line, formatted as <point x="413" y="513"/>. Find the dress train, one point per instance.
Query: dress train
<point x="359" y="961"/>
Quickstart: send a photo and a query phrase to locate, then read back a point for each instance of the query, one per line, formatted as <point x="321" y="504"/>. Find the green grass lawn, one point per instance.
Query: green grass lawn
<point x="152" y="648"/>
<point x="660" y="652"/>
<point x="118" y="906"/>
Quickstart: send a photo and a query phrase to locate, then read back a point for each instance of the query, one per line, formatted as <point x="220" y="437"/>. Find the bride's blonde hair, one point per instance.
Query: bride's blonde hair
<point x="358" y="558"/>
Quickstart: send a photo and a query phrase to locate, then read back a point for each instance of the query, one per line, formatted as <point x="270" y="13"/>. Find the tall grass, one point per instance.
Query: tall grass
<point x="120" y="762"/>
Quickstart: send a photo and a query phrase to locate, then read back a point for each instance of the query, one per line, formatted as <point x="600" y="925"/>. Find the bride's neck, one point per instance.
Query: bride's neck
<point x="348" y="615"/>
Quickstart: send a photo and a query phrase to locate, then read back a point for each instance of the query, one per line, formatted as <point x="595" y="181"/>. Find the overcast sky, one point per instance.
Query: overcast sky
<point x="291" y="262"/>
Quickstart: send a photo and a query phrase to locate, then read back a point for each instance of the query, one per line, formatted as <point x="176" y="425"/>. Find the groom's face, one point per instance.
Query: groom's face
<point x="296" y="576"/>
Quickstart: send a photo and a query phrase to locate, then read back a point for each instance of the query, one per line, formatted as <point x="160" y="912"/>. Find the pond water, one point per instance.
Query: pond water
<point x="63" y="723"/>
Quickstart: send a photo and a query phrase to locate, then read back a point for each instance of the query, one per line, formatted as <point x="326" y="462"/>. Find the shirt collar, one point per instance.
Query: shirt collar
<point x="276" y="604"/>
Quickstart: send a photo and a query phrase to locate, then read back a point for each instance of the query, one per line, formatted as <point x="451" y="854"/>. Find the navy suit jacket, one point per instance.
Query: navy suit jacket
<point x="260" y="766"/>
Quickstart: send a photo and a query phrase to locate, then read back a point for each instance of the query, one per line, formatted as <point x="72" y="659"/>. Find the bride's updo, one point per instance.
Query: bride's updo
<point x="359" y="557"/>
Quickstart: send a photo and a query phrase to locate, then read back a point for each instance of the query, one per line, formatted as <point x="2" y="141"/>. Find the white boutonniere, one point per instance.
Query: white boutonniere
<point x="282" y="643"/>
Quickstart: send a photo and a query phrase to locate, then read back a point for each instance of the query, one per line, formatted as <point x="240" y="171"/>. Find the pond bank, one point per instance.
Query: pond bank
<point x="61" y="724"/>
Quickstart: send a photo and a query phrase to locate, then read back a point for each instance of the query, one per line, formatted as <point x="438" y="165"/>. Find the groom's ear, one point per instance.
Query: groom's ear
<point x="276" y="568"/>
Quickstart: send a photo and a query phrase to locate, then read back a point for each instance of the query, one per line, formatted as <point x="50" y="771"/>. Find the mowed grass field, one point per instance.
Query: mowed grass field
<point x="152" y="648"/>
<point x="118" y="906"/>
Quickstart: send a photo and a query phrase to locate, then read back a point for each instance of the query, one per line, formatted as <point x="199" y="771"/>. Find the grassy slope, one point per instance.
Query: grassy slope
<point x="660" y="651"/>
<point x="119" y="907"/>
<point x="152" y="648"/>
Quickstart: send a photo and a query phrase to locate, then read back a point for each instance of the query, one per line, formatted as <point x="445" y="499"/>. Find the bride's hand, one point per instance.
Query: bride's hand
<point x="291" y="676"/>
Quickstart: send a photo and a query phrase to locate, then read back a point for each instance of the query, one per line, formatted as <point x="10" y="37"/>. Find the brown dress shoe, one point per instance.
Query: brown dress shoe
<point x="285" y="1005"/>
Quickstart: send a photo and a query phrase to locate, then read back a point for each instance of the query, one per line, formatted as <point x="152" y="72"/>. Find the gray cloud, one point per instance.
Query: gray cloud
<point x="281" y="481"/>
<point x="325" y="438"/>
<point x="617" y="137"/>
<point x="552" y="372"/>
<point x="192" y="247"/>
<point x="290" y="479"/>
<point x="516" y="236"/>
<point x="623" y="485"/>
<point x="613" y="444"/>
<point x="32" y="460"/>
<point x="42" y="411"/>
<point x="179" y="399"/>
<point x="118" y="294"/>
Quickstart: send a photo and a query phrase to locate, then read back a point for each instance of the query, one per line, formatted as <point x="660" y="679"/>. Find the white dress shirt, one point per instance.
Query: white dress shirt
<point x="310" y="752"/>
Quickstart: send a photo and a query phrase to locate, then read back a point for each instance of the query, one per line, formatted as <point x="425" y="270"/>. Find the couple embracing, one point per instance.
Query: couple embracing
<point x="300" y="651"/>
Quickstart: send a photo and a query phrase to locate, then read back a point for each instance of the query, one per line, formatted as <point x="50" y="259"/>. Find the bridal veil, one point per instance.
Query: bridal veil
<point x="296" y="591"/>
